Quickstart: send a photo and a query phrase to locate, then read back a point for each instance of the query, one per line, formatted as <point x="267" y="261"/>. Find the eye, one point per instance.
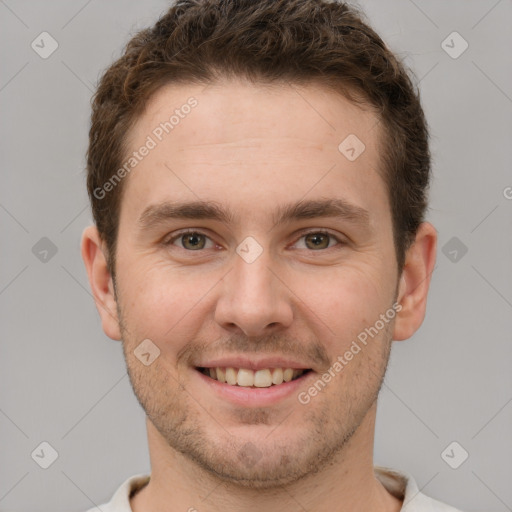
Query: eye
<point x="316" y="240"/>
<point x="191" y="240"/>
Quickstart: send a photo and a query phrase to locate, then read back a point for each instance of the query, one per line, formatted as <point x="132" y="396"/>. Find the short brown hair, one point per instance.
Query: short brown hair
<point x="267" y="41"/>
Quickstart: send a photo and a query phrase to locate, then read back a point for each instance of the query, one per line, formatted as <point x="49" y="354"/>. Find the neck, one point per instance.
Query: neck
<point x="347" y="482"/>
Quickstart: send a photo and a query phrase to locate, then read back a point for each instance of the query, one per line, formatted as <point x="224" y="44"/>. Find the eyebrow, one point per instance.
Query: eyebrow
<point x="160" y="213"/>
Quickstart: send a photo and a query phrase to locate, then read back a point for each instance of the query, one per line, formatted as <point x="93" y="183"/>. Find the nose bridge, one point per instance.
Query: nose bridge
<point x="254" y="278"/>
<point x="252" y="297"/>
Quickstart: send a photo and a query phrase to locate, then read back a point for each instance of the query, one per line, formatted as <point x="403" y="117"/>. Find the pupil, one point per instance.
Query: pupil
<point x="317" y="239"/>
<point x="193" y="240"/>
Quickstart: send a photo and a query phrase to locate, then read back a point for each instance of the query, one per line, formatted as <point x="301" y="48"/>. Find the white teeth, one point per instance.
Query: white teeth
<point x="221" y="375"/>
<point x="245" y="378"/>
<point x="231" y="374"/>
<point x="277" y="376"/>
<point x="262" y="379"/>
<point x="248" y="378"/>
<point x="288" y="375"/>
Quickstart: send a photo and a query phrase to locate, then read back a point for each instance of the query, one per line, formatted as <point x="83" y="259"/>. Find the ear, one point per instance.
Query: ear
<point x="100" y="280"/>
<point x="415" y="282"/>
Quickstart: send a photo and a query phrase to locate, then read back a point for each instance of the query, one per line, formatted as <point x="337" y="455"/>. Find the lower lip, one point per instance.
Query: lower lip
<point x="255" y="397"/>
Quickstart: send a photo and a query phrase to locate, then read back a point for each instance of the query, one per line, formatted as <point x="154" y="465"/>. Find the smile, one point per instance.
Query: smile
<point x="245" y="377"/>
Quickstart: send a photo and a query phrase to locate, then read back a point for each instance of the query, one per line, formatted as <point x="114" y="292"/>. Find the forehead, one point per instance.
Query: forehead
<point x="233" y="109"/>
<point x="280" y="140"/>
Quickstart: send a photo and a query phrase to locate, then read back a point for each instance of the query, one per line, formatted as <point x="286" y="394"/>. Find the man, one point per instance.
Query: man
<point x="258" y="174"/>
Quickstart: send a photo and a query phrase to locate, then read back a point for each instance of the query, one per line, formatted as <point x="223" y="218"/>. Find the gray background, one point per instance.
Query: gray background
<point x="64" y="382"/>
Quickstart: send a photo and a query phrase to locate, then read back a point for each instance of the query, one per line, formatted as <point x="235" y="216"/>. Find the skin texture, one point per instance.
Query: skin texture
<point x="252" y="148"/>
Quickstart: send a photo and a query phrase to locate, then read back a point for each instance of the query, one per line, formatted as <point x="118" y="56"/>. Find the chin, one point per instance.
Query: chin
<point x="260" y="462"/>
<point x="269" y="471"/>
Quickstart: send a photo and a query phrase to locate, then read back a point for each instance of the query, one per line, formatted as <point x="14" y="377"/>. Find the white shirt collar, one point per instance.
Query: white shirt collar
<point x="399" y="483"/>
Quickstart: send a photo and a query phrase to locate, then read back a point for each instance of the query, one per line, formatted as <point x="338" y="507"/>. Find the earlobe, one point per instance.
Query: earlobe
<point x="415" y="282"/>
<point x="100" y="281"/>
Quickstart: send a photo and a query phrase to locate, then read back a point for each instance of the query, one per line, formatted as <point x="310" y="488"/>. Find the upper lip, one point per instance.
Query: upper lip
<point x="253" y="363"/>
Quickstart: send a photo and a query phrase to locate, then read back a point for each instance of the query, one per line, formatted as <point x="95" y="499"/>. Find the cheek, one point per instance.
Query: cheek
<point x="342" y="302"/>
<point x="160" y="303"/>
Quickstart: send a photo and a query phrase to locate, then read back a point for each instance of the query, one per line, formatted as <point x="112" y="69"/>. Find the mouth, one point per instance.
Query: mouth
<point x="248" y="378"/>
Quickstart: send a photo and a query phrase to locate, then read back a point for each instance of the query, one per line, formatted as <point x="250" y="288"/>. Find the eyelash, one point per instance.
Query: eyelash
<point x="170" y="241"/>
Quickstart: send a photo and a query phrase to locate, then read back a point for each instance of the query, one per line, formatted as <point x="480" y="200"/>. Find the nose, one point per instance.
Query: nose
<point x="254" y="299"/>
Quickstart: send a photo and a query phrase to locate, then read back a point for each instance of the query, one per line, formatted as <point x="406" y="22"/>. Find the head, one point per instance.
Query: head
<point x="308" y="42"/>
<point x="248" y="106"/>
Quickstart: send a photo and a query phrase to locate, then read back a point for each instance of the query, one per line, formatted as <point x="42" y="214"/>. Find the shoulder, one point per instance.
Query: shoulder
<point x="423" y="503"/>
<point x="402" y="485"/>
<point x="120" y="501"/>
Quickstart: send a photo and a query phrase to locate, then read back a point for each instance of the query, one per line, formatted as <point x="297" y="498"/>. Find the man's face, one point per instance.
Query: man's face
<point x="295" y="294"/>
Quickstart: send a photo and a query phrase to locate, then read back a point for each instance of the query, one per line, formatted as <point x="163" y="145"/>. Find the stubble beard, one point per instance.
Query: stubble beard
<point x="258" y="461"/>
